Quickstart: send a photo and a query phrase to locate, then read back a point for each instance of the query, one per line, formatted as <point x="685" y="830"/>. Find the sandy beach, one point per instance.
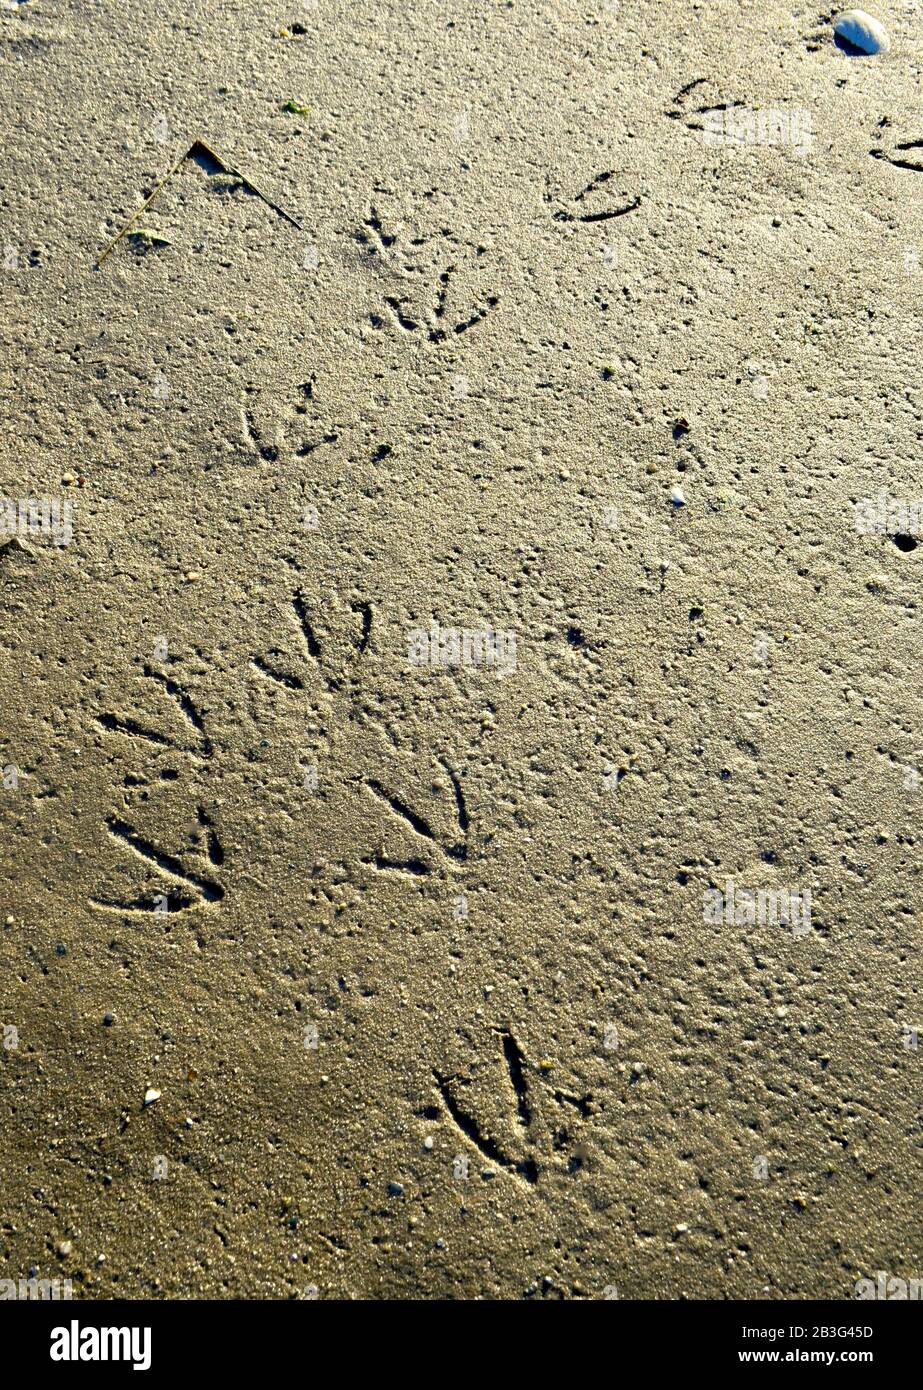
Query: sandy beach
<point x="460" y="726"/>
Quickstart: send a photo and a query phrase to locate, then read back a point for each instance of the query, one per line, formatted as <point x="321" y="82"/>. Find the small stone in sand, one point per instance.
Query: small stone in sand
<point x="862" y="31"/>
<point x="150" y="1096"/>
<point x="15" y="546"/>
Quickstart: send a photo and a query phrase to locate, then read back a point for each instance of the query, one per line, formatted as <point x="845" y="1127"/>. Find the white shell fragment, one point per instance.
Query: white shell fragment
<point x="862" y="31"/>
<point x="677" y="497"/>
<point x="150" y="1095"/>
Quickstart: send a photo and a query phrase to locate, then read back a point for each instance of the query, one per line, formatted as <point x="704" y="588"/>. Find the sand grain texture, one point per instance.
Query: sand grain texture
<point x="523" y="291"/>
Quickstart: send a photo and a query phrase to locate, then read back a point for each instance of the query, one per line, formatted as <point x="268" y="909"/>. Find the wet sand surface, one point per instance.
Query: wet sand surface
<point x="459" y="318"/>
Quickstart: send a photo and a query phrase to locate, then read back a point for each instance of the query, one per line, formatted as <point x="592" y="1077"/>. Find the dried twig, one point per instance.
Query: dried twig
<point x="197" y="145"/>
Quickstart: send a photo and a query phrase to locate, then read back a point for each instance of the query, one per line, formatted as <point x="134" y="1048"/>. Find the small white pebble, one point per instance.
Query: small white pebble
<point x="428" y="1142"/>
<point x="676" y="496"/>
<point x="862" y="30"/>
<point x="150" y="1096"/>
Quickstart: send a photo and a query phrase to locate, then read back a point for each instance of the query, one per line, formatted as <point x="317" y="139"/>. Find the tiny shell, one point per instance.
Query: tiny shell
<point x="862" y="31"/>
<point x="150" y="1095"/>
<point x="677" y="497"/>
